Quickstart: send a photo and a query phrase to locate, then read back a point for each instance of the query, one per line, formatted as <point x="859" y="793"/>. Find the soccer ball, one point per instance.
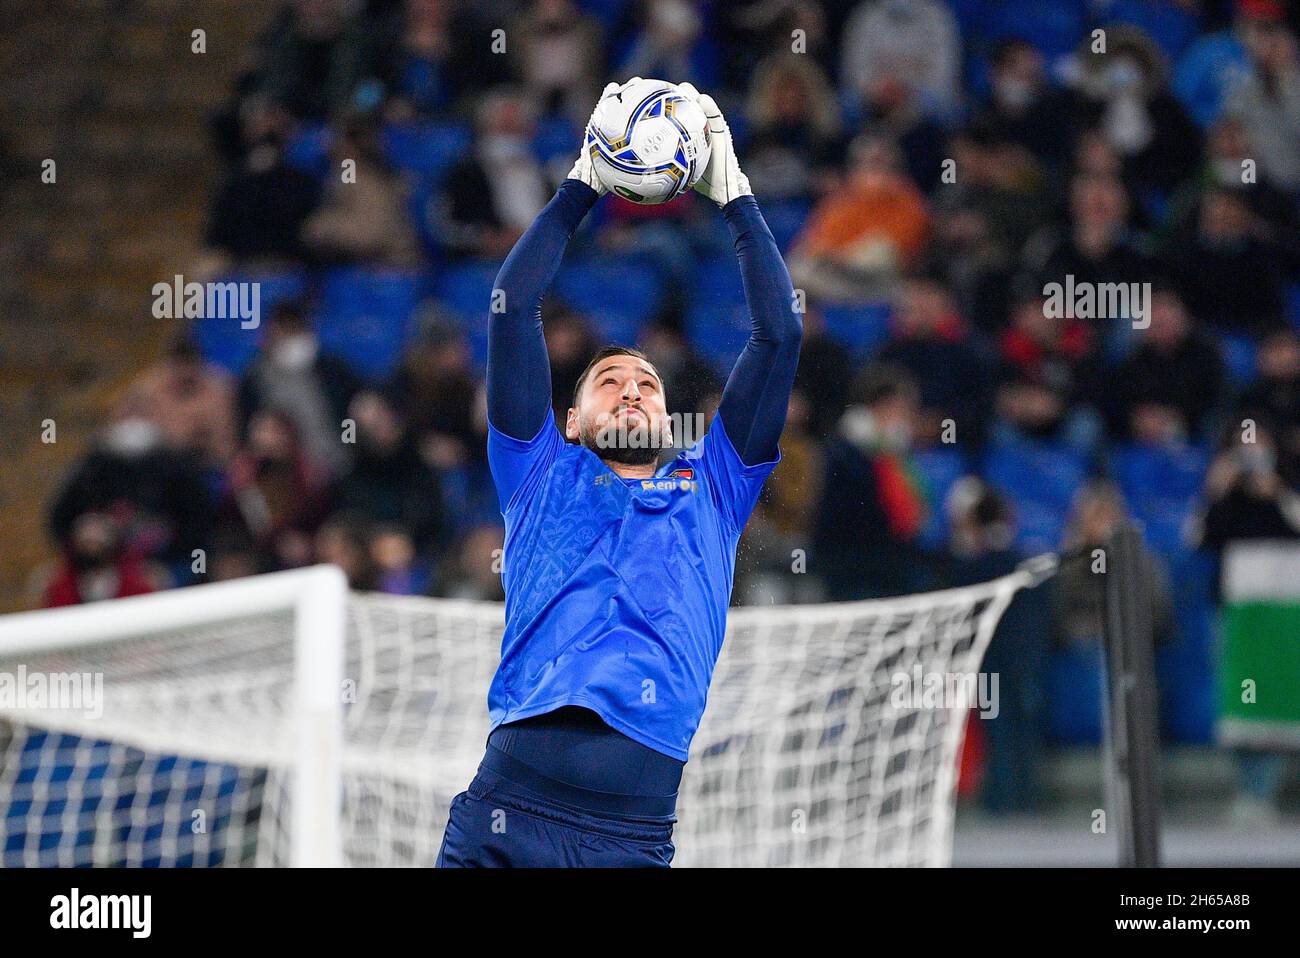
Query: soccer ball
<point x="648" y="142"/>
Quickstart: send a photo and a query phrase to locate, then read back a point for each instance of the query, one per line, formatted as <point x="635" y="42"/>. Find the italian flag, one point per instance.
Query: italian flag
<point x="1259" y="678"/>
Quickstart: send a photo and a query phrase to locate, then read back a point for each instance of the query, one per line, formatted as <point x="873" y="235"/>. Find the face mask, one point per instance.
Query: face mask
<point x="1123" y="76"/>
<point x="1014" y="94"/>
<point x="295" y="352"/>
<point x="132" y="437"/>
<point x="1227" y="172"/>
<point x="501" y="148"/>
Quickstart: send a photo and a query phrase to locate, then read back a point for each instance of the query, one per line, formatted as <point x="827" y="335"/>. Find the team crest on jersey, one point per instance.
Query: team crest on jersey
<point x="683" y="479"/>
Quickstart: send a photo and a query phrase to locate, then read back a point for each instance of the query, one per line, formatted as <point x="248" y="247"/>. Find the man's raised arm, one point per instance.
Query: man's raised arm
<point x="518" y="369"/>
<point x="757" y="394"/>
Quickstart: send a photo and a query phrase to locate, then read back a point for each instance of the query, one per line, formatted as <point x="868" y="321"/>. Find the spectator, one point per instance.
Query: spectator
<point x="1245" y="495"/>
<point x="559" y="52"/>
<point x="1247" y="498"/>
<point x="796" y="140"/>
<point x="495" y="192"/>
<point x="860" y="238"/>
<point x="872" y="508"/>
<point x="258" y="213"/>
<point x="1049" y="381"/>
<point x="344" y="540"/>
<point x="1266" y="99"/>
<point x="1211" y="64"/>
<point x="825" y="369"/>
<point x="313" y="389"/>
<point x="983" y="219"/>
<point x="1077" y="597"/>
<point x="1023" y="107"/>
<point x="570" y="344"/>
<point x="1169" y="388"/>
<point x="191" y="401"/>
<point x="1096" y="245"/>
<point x="983" y="529"/>
<point x="434" y="389"/>
<point x="1230" y="163"/>
<point x="473" y="569"/>
<point x="1230" y="273"/>
<point x="423" y="79"/>
<point x="931" y="342"/>
<point x="315" y="55"/>
<point x="157" y="496"/>
<point x="1124" y="94"/>
<point x="363" y="218"/>
<point x="780" y="529"/>
<point x="910" y="42"/>
<point x="97" y="564"/>
<point x="1274" y="399"/>
<point x="686" y="376"/>
<point x="671" y="42"/>
<point x="400" y="570"/>
<point x="389" y="483"/>
<point x="276" y="496"/>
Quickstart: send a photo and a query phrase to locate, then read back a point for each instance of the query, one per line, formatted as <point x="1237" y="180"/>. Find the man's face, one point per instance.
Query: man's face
<point x="621" y="414"/>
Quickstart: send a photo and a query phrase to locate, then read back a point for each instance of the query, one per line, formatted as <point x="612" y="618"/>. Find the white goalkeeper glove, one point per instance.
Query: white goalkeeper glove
<point x="582" y="169"/>
<point x="722" y="180"/>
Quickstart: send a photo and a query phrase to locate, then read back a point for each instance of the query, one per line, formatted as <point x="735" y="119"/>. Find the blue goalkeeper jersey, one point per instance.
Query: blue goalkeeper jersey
<point x="617" y="589"/>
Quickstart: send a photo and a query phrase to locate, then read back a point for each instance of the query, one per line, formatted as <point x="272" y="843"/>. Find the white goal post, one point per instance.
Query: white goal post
<point x="280" y="720"/>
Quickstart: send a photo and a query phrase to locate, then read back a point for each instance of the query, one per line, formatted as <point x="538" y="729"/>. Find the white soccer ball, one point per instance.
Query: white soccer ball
<point x="648" y="142"/>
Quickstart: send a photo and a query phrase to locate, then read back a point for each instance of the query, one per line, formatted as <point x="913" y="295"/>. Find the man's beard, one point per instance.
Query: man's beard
<point x="627" y="446"/>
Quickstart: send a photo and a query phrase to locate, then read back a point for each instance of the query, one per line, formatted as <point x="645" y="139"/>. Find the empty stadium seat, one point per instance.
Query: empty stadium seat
<point x="785" y="218"/>
<point x="1239" y="358"/>
<point x="618" y="296"/>
<point x="1162" y="486"/>
<point x="862" y="327"/>
<point x="308" y="150"/>
<point x="365" y="317"/>
<point x="427" y="149"/>
<point x="718" y="332"/>
<point x="1040" y="479"/>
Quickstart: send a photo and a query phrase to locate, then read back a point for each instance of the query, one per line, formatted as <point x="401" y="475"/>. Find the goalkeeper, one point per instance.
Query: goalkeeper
<point x="617" y="574"/>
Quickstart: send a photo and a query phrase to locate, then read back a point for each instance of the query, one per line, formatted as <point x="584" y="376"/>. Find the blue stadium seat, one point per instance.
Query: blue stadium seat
<point x="718" y="332"/>
<point x="1054" y="27"/>
<point x="365" y="317"/>
<point x="1162" y="487"/>
<point x="427" y="149"/>
<point x="1169" y="25"/>
<point x="619" y="296"/>
<point x="1239" y="357"/>
<point x="466" y="290"/>
<point x="1074" y="687"/>
<point x="862" y="327"/>
<point x="556" y="137"/>
<point x="940" y="467"/>
<point x="224" y="341"/>
<point x="308" y="150"/>
<point x="1185" y="667"/>
<point x="717" y="281"/>
<point x="785" y="218"/>
<point x="1040" y="479"/>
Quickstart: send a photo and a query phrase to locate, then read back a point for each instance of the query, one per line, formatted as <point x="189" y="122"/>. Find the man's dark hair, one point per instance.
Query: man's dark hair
<point x="878" y="382"/>
<point x="604" y="353"/>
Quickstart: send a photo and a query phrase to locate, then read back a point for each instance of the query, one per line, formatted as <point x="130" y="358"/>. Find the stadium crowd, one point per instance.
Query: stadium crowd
<point x="929" y="168"/>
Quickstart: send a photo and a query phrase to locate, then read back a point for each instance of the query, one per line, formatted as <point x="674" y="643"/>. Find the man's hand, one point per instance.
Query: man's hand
<point x="582" y="169"/>
<point x="722" y="180"/>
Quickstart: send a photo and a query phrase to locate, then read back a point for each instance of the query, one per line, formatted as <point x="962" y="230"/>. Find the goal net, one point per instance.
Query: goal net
<point x="279" y="720"/>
